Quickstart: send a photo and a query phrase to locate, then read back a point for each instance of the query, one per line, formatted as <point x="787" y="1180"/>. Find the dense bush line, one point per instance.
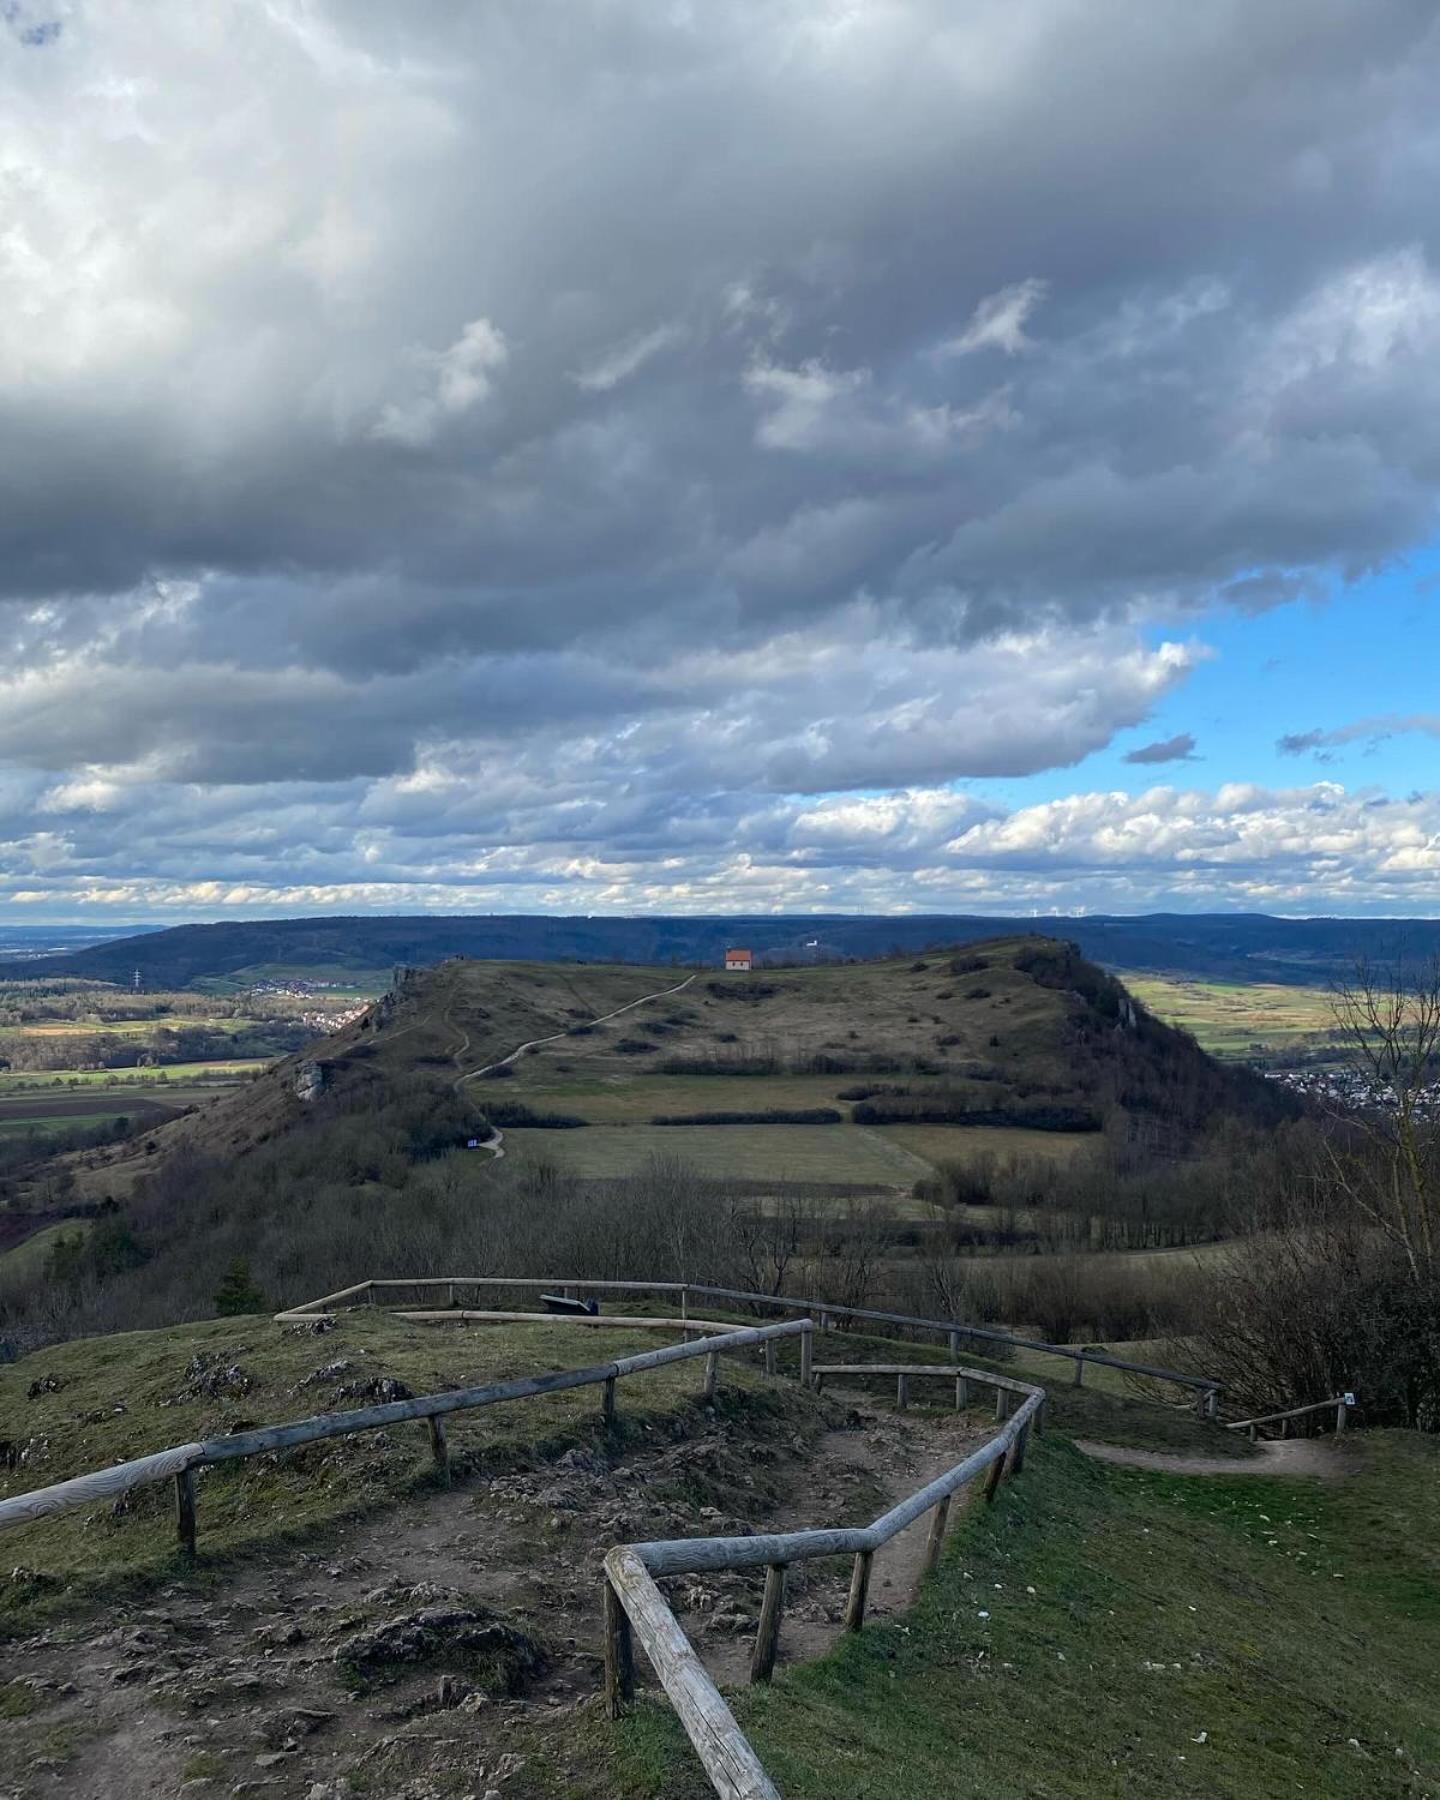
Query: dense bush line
<point x="805" y="1115"/>
<point x="953" y="1109"/>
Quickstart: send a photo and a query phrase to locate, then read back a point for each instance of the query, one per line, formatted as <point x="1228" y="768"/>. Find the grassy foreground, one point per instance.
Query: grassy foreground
<point x="1102" y="1632"/>
<point x="97" y="1401"/>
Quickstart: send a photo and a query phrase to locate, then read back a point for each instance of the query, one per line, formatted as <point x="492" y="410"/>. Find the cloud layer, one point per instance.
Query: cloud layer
<point x="607" y="455"/>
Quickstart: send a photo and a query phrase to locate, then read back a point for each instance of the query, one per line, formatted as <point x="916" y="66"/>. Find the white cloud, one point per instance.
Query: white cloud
<point x="636" y="462"/>
<point x="998" y="322"/>
<point x="460" y="378"/>
<point x="621" y="361"/>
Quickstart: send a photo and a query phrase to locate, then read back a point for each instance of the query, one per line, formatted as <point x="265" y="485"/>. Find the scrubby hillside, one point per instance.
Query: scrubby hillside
<point x="834" y="1116"/>
<point x="1015" y="1033"/>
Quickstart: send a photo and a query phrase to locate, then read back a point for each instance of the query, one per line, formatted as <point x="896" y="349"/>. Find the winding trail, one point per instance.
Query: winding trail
<point x="495" y="1143"/>
<point x="1293" y="1457"/>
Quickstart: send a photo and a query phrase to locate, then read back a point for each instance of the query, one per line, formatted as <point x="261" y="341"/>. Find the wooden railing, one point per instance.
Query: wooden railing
<point x="1340" y="1406"/>
<point x="181" y="1460"/>
<point x="825" y="1313"/>
<point x="635" y="1606"/>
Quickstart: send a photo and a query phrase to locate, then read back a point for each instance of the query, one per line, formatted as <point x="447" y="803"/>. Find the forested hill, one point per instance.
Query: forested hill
<point x="1218" y="946"/>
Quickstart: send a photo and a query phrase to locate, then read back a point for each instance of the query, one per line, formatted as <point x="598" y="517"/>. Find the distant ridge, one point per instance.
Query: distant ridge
<point x="1215" y="946"/>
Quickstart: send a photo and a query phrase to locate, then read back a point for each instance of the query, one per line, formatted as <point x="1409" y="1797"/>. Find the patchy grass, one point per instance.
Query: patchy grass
<point x="99" y="1401"/>
<point x="935" y="1144"/>
<point x="1104" y="1632"/>
<point x="774" y="1154"/>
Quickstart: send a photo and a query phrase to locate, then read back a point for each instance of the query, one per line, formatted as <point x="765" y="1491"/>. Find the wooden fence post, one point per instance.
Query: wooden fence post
<point x="807" y="1352"/>
<point x="771" y="1362"/>
<point x="992" y="1480"/>
<point x="962" y="1393"/>
<point x="954" y="1346"/>
<point x="935" y="1543"/>
<point x="767" y="1638"/>
<point x="619" y="1654"/>
<point x="712" y="1375"/>
<point x="1078" y="1379"/>
<point x="1017" y="1450"/>
<point x="902" y="1391"/>
<point x="439" y="1447"/>
<point x="859" y="1589"/>
<point x="1002" y="1403"/>
<point x="185" y="1510"/>
<point x="607" y="1403"/>
<point x="1342" y="1418"/>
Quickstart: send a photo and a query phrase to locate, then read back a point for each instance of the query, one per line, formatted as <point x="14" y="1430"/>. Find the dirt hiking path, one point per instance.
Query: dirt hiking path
<point x="431" y="1650"/>
<point x="1296" y="1456"/>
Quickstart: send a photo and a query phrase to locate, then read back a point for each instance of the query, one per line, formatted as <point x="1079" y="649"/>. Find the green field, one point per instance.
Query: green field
<point x="17" y="1126"/>
<point x="758" y="1153"/>
<point x="1239" y="1019"/>
<point x="886" y="1156"/>
<point x="146" y="1080"/>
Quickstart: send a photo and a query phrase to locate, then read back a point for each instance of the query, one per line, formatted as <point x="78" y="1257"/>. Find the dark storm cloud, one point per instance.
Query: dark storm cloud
<point x="745" y="401"/>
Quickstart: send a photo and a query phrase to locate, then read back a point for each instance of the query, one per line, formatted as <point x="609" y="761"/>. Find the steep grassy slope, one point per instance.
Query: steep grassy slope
<point x="1103" y="1632"/>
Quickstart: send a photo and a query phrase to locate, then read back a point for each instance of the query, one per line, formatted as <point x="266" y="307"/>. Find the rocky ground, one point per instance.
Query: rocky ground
<point x="451" y="1646"/>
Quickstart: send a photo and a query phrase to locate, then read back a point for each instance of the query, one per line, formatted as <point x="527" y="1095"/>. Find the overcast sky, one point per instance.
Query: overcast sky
<point x="620" y="455"/>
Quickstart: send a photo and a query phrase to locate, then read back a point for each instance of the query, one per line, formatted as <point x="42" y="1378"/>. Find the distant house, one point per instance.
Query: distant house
<point x="739" y="959"/>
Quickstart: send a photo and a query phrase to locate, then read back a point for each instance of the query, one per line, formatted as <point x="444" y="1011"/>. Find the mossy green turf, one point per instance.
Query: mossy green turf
<point x="1102" y="1631"/>
<point x="128" y="1395"/>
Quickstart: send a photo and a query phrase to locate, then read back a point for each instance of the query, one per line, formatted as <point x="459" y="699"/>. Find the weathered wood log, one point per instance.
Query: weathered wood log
<point x="185" y="1510"/>
<point x="962" y="1393"/>
<point x="767" y="1637"/>
<point x="902" y="1391"/>
<point x="992" y="1480"/>
<point x="859" y="1590"/>
<point x="734" y="1769"/>
<point x="1002" y="1403"/>
<point x="1017" y="1450"/>
<point x="101" y="1484"/>
<point x="935" y="1543"/>
<point x="1291" y="1412"/>
<point x="985" y="1377"/>
<point x="619" y="1653"/>
<point x="439" y="1447"/>
<point x="1199" y="1383"/>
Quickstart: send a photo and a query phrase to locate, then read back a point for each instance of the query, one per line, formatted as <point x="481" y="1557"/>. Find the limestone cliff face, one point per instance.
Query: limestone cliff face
<point x="309" y="1081"/>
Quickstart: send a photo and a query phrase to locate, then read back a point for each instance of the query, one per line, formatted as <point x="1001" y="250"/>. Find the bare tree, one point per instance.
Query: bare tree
<point x="1386" y="1160"/>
